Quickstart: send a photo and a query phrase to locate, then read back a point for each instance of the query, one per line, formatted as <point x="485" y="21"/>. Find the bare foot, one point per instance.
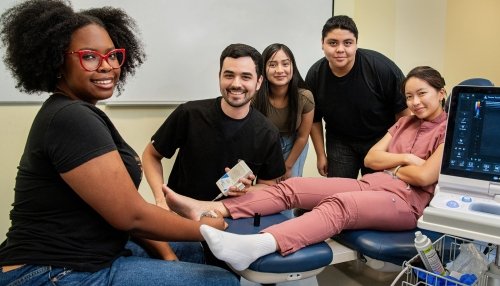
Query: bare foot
<point x="190" y="208"/>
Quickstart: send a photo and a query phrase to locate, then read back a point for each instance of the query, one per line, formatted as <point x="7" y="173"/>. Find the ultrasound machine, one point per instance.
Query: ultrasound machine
<point x="467" y="198"/>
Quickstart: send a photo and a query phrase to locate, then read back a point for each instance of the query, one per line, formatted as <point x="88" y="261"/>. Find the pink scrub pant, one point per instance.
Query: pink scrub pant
<point x="376" y="201"/>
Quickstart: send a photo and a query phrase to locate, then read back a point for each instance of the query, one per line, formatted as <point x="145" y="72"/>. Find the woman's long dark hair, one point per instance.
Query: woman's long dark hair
<point x="261" y="100"/>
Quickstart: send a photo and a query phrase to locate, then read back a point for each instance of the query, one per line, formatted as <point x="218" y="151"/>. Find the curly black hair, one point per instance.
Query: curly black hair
<point x="37" y="33"/>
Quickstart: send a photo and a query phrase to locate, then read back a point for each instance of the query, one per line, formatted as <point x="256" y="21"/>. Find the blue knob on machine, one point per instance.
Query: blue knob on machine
<point x="466" y="199"/>
<point x="452" y="204"/>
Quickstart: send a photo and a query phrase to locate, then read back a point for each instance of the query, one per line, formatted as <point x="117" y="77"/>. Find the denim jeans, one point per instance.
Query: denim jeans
<point x="137" y="269"/>
<point x="298" y="168"/>
<point x="286" y="147"/>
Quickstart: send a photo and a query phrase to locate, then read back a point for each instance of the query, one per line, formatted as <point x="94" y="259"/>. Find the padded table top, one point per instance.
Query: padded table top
<point x="308" y="258"/>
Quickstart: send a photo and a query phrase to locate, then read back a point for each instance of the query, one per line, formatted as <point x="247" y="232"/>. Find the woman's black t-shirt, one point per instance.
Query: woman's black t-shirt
<point x="51" y="224"/>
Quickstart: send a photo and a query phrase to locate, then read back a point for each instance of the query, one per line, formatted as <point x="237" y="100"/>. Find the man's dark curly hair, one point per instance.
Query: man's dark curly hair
<point x="37" y="33"/>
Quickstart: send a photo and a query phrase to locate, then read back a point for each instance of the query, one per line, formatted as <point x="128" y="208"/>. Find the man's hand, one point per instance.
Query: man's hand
<point x="247" y="182"/>
<point x="322" y="165"/>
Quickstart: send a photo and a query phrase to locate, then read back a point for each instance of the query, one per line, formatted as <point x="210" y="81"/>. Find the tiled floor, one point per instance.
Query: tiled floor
<point x="354" y="273"/>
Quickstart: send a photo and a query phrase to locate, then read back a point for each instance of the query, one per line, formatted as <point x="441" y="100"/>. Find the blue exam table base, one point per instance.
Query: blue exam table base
<point x="394" y="247"/>
<point x="382" y="251"/>
<point x="274" y="268"/>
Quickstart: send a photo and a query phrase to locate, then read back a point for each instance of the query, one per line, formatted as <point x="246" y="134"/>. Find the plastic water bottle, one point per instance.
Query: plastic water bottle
<point x="428" y="254"/>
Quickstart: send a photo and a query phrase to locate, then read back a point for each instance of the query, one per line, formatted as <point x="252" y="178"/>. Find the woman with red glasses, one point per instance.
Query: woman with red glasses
<point x="77" y="217"/>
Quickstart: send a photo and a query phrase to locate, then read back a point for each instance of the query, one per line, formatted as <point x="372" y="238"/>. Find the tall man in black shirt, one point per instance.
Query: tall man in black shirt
<point x="357" y="94"/>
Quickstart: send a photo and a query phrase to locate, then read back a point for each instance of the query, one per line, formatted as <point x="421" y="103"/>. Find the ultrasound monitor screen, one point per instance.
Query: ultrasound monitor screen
<point x="472" y="147"/>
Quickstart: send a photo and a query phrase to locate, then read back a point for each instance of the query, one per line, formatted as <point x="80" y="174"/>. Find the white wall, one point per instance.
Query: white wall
<point x="184" y="39"/>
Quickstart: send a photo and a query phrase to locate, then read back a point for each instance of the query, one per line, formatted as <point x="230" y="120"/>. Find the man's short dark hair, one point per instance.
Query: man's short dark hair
<point x="241" y="50"/>
<point x="340" y="22"/>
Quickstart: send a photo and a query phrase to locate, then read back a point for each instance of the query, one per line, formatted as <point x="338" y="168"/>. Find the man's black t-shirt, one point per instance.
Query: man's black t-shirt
<point x="362" y="104"/>
<point x="198" y="130"/>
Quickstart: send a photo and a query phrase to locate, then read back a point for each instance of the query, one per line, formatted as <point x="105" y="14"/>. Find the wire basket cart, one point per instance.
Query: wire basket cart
<point x="448" y="247"/>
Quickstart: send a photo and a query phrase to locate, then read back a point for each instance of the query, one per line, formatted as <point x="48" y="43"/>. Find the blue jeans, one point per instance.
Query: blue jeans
<point x="298" y="168"/>
<point x="286" y="147"/>
<point x="137" y="269"/>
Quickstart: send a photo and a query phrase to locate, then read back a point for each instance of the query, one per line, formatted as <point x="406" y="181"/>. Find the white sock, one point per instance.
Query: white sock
<point x="236" y="249"/>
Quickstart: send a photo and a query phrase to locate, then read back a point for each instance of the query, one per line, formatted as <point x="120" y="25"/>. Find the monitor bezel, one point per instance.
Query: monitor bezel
<point x="452" y="115"/>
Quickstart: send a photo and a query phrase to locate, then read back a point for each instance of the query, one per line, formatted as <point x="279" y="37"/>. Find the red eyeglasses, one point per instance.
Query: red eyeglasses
<point x="92" y="60"/>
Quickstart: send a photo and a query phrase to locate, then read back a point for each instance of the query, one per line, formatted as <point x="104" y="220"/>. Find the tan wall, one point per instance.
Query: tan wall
<point x="472" y="41"/>
<point x="460" y="38"/>
<point x="410" y="33"/>
<point x="15" y="122"/>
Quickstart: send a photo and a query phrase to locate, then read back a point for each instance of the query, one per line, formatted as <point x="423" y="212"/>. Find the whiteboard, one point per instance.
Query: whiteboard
<point x="183" y="41"/>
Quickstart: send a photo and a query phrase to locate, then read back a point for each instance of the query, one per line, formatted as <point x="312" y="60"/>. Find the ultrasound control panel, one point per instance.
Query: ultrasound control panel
<point x="467" y="202"/>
